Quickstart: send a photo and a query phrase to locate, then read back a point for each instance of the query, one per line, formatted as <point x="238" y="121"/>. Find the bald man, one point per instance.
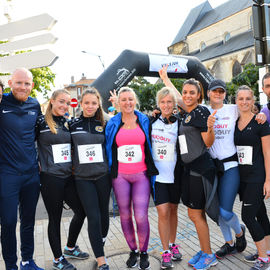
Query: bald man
<point x="19" y="175"/>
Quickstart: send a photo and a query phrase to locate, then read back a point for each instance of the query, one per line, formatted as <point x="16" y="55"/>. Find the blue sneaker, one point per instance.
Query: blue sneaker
<point x="206" y="261"/>
<point x="195" y="258"/>
<point x="30" y="266"/>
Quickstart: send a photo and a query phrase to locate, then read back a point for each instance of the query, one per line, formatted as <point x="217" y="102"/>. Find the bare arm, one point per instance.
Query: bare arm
<point x="209" y="136"/>
<point x="164" y="77"/>
<point x="266" y="155"/>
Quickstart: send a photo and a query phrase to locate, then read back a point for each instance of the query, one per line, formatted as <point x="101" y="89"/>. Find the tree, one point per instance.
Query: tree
<point x="249" y="76"/>
<point x="146" y="92"/>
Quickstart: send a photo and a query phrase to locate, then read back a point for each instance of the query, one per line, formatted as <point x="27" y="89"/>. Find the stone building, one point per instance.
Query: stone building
<point x="221" y="37"/>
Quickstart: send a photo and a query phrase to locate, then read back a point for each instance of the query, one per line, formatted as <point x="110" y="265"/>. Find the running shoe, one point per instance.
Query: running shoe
<point x="30" y="266"/>
<point x="195" y="258"/>
<point x="166" y="260"/>
<point x="104" y="267"/>
<point x="176" y="255"/>
<point x="144" y="261"/>
<point x="132" y="260"/>
<point x="241" y="242"/>
<point x="76" y="253"/>
<point x="260" y="265"/>
<point x="226" y="249"/>
<point x="63" y="265"/>
<point x="206" y="261"/>
<point x="251" y="258"/>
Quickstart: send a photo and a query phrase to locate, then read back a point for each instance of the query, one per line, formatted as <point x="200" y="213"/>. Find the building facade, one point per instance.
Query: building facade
<point x="221" y="37"/>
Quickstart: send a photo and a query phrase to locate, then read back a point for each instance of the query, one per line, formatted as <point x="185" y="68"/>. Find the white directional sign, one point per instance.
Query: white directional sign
<point x="27" y="43"/>
<point x="33" y="59"/>
<point x="28" y="60"/>
<point x="26" y="26"/>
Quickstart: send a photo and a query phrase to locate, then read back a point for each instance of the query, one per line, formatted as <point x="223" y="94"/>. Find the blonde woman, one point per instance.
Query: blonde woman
<point x="57" y="183"/>
<point x="131" y="165"/>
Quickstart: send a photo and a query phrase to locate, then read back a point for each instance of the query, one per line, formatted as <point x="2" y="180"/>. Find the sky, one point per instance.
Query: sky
<point x="106" y="28"/>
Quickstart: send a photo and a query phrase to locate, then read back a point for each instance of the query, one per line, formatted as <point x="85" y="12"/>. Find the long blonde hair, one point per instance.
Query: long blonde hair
<point x="48" y="115"/>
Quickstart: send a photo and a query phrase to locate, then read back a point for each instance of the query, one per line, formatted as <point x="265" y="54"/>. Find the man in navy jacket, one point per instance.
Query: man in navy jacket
<point x="19" y="175"/>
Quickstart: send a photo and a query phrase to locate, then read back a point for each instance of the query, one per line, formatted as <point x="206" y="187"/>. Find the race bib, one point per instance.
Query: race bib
<point x="129" y="153"/>
<point x="183" y="144"/>
<point x="244" y="154"/>
<point x="61" y="153"/>
<point x="90" y="153"/>
<point x="163" y="152"/>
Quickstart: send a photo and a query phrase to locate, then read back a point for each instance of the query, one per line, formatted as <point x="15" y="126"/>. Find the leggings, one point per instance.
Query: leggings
<point x="227" y="191"/>
<point x="254" y="213"/>
<point x="95" y="197"/>
<point x="135" y="189"/>
<point x="55" y="191"/>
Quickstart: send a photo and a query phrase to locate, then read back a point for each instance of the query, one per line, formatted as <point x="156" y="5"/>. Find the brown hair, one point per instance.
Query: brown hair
<point x="99" y="113"/>
<point x="244" y="87"/>
<point x="197" y="84"/>
<point x="266" y="76"/>
<point x="48" y="115"/>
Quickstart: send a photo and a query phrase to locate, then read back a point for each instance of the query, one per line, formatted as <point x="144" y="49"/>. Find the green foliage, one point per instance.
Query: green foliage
<point x="249" y="76"/>
<point x="146" y="92"/>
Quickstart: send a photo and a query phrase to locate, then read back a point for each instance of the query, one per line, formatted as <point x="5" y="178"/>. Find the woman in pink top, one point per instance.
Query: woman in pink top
<point x="131" y="165"/>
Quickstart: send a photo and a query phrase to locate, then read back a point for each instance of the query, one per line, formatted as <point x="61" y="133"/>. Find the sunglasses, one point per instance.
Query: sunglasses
<point x="220" y="91"/>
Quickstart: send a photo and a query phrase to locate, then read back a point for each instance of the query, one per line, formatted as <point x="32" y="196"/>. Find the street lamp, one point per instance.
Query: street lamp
<point x="99" y="57"/>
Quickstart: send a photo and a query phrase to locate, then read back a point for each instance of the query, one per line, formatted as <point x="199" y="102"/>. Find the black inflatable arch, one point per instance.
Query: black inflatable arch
<point x="131" y="63"/>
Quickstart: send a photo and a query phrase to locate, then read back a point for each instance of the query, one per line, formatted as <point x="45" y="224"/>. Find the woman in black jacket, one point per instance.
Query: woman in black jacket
<point x="57" y="183"/>
<point x="91" y="170"/>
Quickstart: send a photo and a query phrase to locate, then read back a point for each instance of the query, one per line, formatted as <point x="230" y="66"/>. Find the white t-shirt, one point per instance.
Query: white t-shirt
<point x="164" y="138"/>
<point x="223" y="146"/>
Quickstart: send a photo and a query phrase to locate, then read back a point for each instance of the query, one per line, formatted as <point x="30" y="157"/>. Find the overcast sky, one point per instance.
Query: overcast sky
<point x="106" y="28"/>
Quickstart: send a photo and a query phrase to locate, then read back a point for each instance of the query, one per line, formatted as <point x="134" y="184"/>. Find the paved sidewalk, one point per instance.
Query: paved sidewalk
<point x="117" y="250"/>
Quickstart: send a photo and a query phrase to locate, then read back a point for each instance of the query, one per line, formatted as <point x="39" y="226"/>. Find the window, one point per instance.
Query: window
<point x="79" y="91"/>
<point x="236" y="68"/>
<point x="227" y="36"/>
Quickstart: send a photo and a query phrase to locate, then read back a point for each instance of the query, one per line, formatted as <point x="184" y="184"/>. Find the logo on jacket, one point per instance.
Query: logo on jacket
<point x="187" y="120"/>
<point x="99" y="128"/>
<point x="4" y="111"/>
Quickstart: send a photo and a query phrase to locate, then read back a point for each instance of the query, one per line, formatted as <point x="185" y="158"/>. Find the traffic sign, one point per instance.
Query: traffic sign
<point x="35" y="59"/>
<point x="26" y="26"/>
<point x="27" y="43"/>
<point x="74" y="103"/>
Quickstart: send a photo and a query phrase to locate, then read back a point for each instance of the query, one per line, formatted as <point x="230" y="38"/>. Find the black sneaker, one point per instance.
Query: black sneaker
<point x="132" y="260"/>
<point x="251" y="258"/>
<point x="104" y="267"/>
<point x="241" y="242"/>
<point x="144" y="261"/>
<point x="225" y="250"/>
<point x="63" y="265"/>
<point x="76" y="253"/>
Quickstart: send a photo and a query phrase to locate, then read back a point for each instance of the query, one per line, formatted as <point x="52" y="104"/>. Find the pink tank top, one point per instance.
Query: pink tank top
<point x="134" y="137"/>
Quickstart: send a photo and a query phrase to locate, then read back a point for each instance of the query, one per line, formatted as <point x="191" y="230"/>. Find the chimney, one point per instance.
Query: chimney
<point x="72" y="79"/>
<point x="83" y="77"/>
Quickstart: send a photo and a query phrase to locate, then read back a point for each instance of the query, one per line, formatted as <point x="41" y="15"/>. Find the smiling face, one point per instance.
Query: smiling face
<point x="244" y="100"/>
<point x="127" y="102"/>
<point x="21" y="84"/>
<point x="166" y="106"/>
<point x="90" y="105"/>
<point x="60" y="104"/>
<point x="190" y="95"/>
<point x="217" y="96"/>
<point x="266" y="87"/>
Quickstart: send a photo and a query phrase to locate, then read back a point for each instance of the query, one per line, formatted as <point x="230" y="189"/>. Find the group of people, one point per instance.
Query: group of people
<point x="204" y="156"/>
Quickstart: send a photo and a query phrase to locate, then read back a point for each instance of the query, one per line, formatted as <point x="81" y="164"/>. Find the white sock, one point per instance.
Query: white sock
<point x="25" y="263"/>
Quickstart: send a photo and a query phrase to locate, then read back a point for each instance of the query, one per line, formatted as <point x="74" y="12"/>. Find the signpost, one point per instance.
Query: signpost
<point x="74" y="104"/>
<point x="29" y="60"/>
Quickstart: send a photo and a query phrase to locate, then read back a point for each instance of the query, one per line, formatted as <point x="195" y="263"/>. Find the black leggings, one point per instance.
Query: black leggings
<point x="55" y="191"/>
<point x="254" y="213"/>
<point x="95" y="196"/>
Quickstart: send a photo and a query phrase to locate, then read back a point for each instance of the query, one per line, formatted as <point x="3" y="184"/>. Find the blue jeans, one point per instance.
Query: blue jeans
<point x="22" y="191"/>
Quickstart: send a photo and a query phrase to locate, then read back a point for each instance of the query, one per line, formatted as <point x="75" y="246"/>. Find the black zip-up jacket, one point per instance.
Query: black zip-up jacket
<point x="88" y="131"/>
<point x="46" y="141"/>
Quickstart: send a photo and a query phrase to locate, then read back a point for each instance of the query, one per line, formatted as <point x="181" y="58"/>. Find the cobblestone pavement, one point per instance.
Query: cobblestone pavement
<point x="117" y="251"/>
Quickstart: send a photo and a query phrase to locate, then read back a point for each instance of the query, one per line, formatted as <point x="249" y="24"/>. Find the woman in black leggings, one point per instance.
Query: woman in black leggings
<point x="91" y="170"/>
<point x="252" y="143"/>
<point x="57" y="183"/>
